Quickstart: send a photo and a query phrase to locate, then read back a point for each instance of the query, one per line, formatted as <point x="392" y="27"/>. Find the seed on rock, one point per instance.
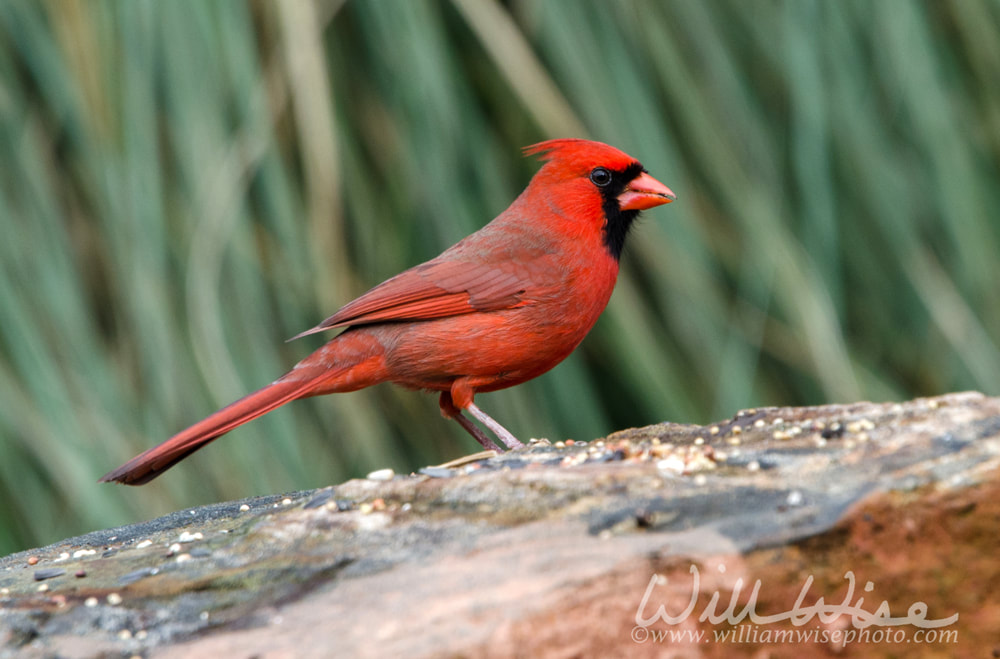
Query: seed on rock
<point x="382" y="475"/>
<point x="49" y="573"/>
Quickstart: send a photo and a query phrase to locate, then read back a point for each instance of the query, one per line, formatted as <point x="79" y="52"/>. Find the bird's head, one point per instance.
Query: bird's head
<point x="591" y="180"/>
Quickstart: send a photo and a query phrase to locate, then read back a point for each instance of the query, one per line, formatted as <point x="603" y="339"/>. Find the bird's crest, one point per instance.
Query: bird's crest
<point x="579" y="154"/>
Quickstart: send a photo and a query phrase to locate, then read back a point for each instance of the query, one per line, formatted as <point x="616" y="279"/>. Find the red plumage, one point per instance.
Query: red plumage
<point x="499" y="307"/>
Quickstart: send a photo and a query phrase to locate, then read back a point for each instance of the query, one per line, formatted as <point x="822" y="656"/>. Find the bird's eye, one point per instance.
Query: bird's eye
<point x="600" y="177"/>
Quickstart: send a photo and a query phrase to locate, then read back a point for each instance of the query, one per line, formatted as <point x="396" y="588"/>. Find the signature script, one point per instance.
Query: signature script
<point x="799" y="614"/>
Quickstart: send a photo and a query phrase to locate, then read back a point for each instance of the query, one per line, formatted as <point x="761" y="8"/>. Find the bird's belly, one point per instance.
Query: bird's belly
<point x="498" y="349"/>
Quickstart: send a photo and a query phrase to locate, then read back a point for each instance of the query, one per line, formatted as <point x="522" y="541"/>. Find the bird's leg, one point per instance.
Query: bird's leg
<point x="480" y="436"/>
<point x="502" y="433"/>
<point x="450" y="411"/>
<point x="452" y="403"/>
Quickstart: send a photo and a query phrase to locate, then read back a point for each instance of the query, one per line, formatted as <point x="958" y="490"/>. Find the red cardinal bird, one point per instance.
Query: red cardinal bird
<point x="498" y="308"/>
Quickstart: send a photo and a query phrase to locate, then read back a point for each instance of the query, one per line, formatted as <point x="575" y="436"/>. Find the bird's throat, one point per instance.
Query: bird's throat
<point x="616" y="227"/>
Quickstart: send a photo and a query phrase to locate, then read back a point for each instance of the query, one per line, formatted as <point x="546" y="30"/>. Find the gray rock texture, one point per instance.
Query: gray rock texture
<point x="569" y="551"/>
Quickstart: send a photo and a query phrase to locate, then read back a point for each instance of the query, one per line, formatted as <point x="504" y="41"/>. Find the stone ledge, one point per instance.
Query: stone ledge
<point x="547" y="551"/>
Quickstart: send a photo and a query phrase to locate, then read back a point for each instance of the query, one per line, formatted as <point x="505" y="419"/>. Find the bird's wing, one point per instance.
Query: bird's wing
<point x="433" y="290"/>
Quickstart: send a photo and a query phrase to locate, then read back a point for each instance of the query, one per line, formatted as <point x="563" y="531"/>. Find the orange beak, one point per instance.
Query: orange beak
<point x="644" y="192"/>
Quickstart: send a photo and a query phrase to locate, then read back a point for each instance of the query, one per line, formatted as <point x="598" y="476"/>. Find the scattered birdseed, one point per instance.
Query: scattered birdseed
<point x="43" y="587"/>
<point x="80" y="574"/>
<point x="136" y="575"/>
<point x="381" y="475"/>
<point x="124" y="635"/>
<point x="144" y="544"/>
<point x="114" y="599"/>
<point x="49" y="573"/>
<point x="672" y="464"/>
<point x="321" y="498"/>
<point x="699" y="441"/>
<point x="183" y="558"/>
<point x="759" y="423"/>
<point x="90" y="602"/>
<point x="244" y="508"/>
<point x="659" y="451"/>
<point x="833" y="431"/>
<point x="570" y="460"/>
<point x="32" y="560"/>
<point x="286" y="502"/>
<point x="795" y="498"/>
<point x="84" y="552"/>
<point x="190" y="537"/>
<point x="860" y="425"/>
<point x="714" y="430"/>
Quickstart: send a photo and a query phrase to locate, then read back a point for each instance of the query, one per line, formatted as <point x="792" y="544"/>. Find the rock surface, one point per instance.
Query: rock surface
<point x="569" y="551"/>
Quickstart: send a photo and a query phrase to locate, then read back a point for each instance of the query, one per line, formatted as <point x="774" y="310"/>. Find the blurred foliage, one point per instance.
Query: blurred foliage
<point x="185" y="184"/>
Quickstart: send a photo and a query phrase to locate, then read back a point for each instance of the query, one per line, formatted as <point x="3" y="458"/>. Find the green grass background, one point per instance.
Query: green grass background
<point x="185" y="184"/>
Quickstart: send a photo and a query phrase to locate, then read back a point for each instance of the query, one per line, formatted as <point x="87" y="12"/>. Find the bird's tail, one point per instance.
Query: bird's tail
<point x="351" y="361"/>
<point x="148" y="465"/>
